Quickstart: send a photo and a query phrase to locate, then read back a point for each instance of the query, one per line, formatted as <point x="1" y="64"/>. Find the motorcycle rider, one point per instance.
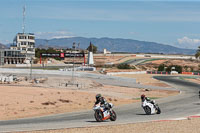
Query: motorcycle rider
<point x="102" y="101"/>
<point x="143" y="98"/>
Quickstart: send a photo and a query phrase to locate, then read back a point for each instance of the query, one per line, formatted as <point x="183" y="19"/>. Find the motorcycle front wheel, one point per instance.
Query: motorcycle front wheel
<point x="113" y="116"/>
<point x="98" y="115"/>
<point x="147" y="110"/>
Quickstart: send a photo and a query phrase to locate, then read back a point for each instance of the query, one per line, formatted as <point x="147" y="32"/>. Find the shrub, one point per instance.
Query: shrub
<point x="124" y="66"/>
<point x="161" y="67"/>
<point x="177" y="68"/>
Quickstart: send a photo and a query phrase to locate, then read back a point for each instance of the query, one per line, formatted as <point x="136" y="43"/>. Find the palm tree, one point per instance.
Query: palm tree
<point x="197" y="55"/>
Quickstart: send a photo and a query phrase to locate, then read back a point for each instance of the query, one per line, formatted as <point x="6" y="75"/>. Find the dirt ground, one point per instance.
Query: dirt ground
<point x="25" y="99"/>
<point x="190" y="125"/>
<point x="145" y="79"/>
<point x="113" y="58"/>
<point x="49" y="99"/>
<point x="187" y="65"/>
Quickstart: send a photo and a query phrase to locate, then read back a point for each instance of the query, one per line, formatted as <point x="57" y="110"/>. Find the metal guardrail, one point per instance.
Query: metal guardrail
<point x="157" y="72"/>
<point x="163" y="72"/>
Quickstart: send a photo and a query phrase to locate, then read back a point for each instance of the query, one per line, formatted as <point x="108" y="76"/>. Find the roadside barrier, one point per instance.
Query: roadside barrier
<point x="196" y="73"/>
<point x="157" y="72"/>
<point x="191" y="73"/>
<point x="117" y="73"/>
<point x="163" y="72"/>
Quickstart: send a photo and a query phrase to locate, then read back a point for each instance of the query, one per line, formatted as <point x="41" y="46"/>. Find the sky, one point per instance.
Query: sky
<point x="175" y="23"/>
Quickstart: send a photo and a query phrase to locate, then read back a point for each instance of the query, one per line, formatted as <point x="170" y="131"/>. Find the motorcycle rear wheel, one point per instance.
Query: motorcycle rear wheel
<point x="113" y="117"/>
<point x="158" y="110"/>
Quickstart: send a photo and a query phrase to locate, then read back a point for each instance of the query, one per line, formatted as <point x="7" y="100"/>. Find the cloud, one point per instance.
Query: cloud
<point x="5" y="42"/>
<point x="51" y="35"/>
<point x="187" y="42"/>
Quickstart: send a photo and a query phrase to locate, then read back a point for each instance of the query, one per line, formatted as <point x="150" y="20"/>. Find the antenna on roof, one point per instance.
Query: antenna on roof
<point x="24" y="14"/>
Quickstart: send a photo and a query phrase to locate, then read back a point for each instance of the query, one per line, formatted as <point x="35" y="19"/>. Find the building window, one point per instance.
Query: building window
<point x="24" y="49"/>
<point x="30" y="49"/>
<point x="23" y="43"/>
<point x="31" y="44"/>
<point x="22" y="37"/>
<point x="31" y="37"/>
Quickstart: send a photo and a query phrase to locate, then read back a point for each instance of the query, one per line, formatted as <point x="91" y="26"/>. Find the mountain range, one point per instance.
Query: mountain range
<point x="2" y="46"/>
<point x="114" y="45"/>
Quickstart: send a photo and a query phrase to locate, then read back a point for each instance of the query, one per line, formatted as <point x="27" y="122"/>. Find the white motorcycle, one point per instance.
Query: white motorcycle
<point x="150" y="108"/>
<point x="102" y="114"/>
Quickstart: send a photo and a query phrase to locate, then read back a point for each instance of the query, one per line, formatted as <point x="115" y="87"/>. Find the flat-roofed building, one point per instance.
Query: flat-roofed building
<point x="10" y="56"/>
<point x="25" y="42"/>
<point x="21" y="51"/>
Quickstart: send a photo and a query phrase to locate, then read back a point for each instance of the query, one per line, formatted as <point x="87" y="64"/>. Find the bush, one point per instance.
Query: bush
<point x="161" y="67"/>
<point x="169" y="68"/>
<point x="177" y="68"/>
<point x="39" y="51"/>
<point x="124" y="66"/>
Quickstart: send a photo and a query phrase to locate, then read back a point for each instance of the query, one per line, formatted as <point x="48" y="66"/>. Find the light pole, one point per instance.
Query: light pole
<point x="74" y="49"/>
<point x="31" y="69"/>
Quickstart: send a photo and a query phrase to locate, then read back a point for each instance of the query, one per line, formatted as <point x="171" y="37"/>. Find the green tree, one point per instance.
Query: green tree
<point x="92" y="48"/>
<point x="39" y="51"/>
<point x="197" y="55"/>
<point x="124" y="66"/>
<point x="177" y="68"/>
<point x="161" y="67"/>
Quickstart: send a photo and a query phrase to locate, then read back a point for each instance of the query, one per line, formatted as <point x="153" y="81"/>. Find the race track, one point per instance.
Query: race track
<point x="185" y="104"/>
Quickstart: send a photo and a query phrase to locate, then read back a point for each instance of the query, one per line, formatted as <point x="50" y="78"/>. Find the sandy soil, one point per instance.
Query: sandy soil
<point x="191" y="125"/>
<point x="188" y="65"/>
<point x="116" y="59"/>
<point x="20" y="102"/>
<point x="145" y="79"/>
<point x="26" y="99"/>
<point x="158" y="61"/>
<point x="64" y="100"/>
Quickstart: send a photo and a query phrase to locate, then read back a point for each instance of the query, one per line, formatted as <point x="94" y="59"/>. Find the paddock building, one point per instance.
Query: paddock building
<point x="21" y="51"/>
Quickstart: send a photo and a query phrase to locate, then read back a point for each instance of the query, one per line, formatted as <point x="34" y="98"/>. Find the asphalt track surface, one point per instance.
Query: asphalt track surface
<point x="185" y="104"/>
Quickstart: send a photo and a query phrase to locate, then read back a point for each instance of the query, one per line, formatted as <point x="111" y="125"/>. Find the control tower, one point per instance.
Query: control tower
<point x="25" y="42"/>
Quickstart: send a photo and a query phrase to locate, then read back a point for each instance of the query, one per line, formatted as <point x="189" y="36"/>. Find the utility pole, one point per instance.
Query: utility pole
<point x="74" y="51"/>
<point x="31" y="69"/>
<point x="24" y="14"/>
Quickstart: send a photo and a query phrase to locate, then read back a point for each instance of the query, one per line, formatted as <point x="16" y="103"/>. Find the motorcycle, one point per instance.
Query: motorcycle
<point x="150" y="108"/>
<point x="102" y="114"/>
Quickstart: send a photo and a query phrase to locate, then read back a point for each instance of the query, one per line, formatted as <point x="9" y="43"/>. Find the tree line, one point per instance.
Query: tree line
<point x="197" y="55"/>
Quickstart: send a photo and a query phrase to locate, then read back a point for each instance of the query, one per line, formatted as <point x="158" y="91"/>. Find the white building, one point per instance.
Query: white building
<point x="105" y="51"/>
<point x="25" y="42"/>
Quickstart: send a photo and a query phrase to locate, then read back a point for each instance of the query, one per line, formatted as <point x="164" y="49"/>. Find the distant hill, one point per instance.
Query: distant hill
<point x="114" y="45"/>
<point x="2" y="46"/>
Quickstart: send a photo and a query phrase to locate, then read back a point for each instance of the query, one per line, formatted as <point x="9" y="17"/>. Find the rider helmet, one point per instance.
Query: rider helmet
<point x="98" y="96"/>
<point x="142" y="96"/>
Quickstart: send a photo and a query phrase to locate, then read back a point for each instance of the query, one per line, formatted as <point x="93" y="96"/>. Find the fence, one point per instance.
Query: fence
<point x="163" y="72"/>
